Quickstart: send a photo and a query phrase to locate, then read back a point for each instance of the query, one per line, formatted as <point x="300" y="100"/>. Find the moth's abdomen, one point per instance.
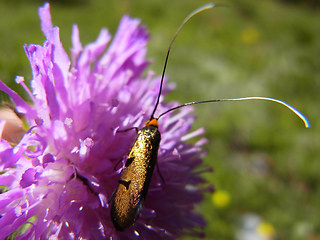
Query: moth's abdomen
<point x="127" y="201"/>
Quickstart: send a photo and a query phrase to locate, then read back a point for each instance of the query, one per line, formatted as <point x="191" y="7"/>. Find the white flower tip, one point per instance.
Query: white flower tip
<point x="19" y="79"/>
<point x="103" y="200"/>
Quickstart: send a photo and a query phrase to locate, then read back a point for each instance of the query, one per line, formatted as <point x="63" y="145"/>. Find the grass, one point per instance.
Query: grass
<point x="262" y="155"/>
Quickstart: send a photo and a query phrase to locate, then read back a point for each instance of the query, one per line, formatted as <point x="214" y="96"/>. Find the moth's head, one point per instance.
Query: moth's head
<point x="152" y="122"/>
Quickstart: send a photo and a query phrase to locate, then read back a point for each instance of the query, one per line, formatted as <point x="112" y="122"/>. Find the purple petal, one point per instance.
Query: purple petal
<point x="45" y="17"/>
<point x="28" y="178"/>
<point x="76" y="44"/>
<point x="21" y="105"/>
<point x="48" y="158"/>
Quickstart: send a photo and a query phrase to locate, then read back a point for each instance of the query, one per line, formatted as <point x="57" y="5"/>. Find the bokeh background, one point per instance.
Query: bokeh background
<point x="266" y="164"/>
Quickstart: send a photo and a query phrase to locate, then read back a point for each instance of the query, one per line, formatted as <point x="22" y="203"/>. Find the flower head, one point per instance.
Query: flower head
<point x="57" y="180"/>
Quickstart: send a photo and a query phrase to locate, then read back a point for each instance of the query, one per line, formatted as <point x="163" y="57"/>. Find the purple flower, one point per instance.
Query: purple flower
<point x="57" y="180"/>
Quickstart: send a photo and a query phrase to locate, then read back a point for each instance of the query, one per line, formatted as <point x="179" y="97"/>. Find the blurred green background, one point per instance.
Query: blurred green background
<point x="266" y="164"/>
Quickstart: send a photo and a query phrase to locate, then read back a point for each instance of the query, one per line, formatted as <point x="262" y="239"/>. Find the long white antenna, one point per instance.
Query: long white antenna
<point x="295" y="111"/>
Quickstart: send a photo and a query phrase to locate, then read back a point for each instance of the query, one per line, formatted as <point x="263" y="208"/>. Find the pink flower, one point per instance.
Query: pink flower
<point x="60" y="176"/>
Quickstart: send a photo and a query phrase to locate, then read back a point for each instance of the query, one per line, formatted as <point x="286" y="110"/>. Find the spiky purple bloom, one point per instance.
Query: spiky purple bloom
<point x="60" y="176"/>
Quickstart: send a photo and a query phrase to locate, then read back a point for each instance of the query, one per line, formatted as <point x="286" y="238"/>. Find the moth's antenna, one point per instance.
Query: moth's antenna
<point x="195" y="12"/>
<point x="295" y="111"/>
